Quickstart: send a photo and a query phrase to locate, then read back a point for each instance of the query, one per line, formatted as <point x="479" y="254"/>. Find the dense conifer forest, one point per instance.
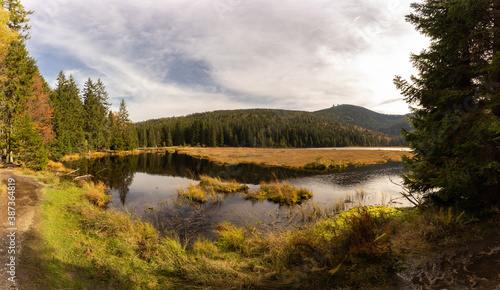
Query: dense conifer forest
<point x="37" y="121"/>
<point x="258" y="128"/>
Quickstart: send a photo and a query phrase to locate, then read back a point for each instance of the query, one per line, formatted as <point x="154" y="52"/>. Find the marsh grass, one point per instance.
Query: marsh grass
<point x="96" y="193"/>
<point x="196" y="193"/>
<point x="325" y="165"/>
<point x="209" y="189"/>
<point x="80" y="245"/>
<point x="295" y="158"/>
<point x="279" y="192"/>
<point x="57" y="167"/>
<point x="424" y="230"/>
<point x="218" y="185"/>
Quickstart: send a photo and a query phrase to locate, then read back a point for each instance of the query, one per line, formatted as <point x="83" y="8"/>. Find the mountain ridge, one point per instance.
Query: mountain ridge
<point x="270" y="128"/>
<point x="366" y="118"/>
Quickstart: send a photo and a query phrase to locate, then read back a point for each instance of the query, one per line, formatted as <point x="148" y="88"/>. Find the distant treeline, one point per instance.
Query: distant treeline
<point x="257" y="128"/>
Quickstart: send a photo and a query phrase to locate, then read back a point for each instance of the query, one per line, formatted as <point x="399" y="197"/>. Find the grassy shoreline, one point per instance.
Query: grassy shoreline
<point x="78" y="244"/>
<point x="308" y="159"/>
<point x="296" y="158"/>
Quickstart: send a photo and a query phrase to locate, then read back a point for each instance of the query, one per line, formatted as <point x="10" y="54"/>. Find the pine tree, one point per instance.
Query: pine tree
<point x="456" y="135"/>
<point x="20" y="70"/>
<point x="96" y="106"/>
<point x="28" y="144"/>
<point x="68" y="117"/>
<point x="123" y="125"/>
<point x="116" y="142"/>
<point x="20" y="91"/>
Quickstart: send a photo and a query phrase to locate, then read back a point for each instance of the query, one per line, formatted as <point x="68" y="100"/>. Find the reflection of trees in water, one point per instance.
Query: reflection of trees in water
<point x="118" y="171"/>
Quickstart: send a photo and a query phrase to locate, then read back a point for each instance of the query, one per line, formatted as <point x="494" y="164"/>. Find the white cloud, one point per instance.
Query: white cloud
<point x="179" y="57"/>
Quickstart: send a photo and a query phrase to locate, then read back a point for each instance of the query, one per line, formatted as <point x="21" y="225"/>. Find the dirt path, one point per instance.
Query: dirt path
<point x="27" y="195"/>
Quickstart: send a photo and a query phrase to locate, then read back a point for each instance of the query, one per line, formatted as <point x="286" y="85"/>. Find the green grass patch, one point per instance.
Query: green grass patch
<point x="79" y="245"/>
<point x="279" y="192"/>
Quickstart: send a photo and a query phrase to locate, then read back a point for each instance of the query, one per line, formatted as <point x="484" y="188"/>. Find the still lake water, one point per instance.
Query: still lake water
<point x="146" y="186"/>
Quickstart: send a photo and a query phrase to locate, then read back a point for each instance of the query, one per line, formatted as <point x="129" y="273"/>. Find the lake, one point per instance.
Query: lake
<point x="146" y="184"/>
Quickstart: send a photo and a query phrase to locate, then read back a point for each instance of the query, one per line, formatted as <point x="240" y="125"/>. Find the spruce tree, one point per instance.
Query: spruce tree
<point x="456" y="135"/>
<point x="96" y="111"/>
<point x="28" y="144"/>
<point x="68" y="117"/>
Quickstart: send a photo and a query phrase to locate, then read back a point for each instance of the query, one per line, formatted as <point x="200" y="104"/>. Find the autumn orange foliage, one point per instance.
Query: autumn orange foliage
<point x="40" y="110"/>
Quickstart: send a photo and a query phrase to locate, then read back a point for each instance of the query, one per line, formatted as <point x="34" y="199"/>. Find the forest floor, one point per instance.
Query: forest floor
<point x="295" y="158"/>
<point x="27" y="196"/>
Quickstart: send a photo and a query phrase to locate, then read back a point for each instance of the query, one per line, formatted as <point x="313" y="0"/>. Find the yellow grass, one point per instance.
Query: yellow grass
<point x="57" y="167"/>
<point x="77" y="156"/>
<point x="208" y="189"/>
<point x="216" y="184"/>
<point x="278" y="192"/>
<point x="96" y="193"/>
<point x="294" y="158"/>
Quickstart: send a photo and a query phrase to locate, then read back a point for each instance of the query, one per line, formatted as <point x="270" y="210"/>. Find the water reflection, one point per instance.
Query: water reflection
<point x="118" y="171"/>
<point x="146" y="185"/>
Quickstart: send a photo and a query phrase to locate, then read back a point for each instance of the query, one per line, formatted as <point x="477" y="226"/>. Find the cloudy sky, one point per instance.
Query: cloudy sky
<point x="172" y="57"/>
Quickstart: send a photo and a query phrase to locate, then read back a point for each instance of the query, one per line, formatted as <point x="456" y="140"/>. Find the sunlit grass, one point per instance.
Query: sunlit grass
<point x="216" y="184"/>
<point x="196" y="193"/>
<point x="279" y="192"/>
<point x="57" y="167"/>
<point x="96" y="193"/>
<point x="209" y="189"/>
<point x="78" y="245"/>
<point x="295" y="158"/>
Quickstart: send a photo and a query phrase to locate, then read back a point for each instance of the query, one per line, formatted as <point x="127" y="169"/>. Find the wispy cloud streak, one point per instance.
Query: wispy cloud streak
<point x="179" y="57"/>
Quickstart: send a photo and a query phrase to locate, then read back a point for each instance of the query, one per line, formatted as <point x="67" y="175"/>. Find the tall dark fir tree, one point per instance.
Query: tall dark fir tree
<point x="455" y="99"/>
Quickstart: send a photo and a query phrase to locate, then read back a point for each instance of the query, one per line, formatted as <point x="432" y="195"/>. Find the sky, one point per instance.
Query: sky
<point x="173" y="58"/>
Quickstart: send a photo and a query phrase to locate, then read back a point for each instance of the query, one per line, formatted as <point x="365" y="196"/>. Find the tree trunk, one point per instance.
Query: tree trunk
<point x="496" y="50"/>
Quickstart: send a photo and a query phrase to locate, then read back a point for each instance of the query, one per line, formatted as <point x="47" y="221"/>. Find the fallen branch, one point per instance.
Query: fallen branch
<point x="101" y="170"/>
<point x="82" y="177"/>
<point x="70" y="172"/>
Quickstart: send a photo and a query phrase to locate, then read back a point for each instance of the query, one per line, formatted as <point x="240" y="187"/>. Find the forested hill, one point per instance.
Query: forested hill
<point x="362" y="117"/>
<point x="257" y="128"/>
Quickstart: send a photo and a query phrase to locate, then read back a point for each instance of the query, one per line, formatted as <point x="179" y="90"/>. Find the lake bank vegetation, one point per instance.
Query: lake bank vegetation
<point x="79" y="244"/>
<point x="315" y="159"/>
<point x="454" y="167"/>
